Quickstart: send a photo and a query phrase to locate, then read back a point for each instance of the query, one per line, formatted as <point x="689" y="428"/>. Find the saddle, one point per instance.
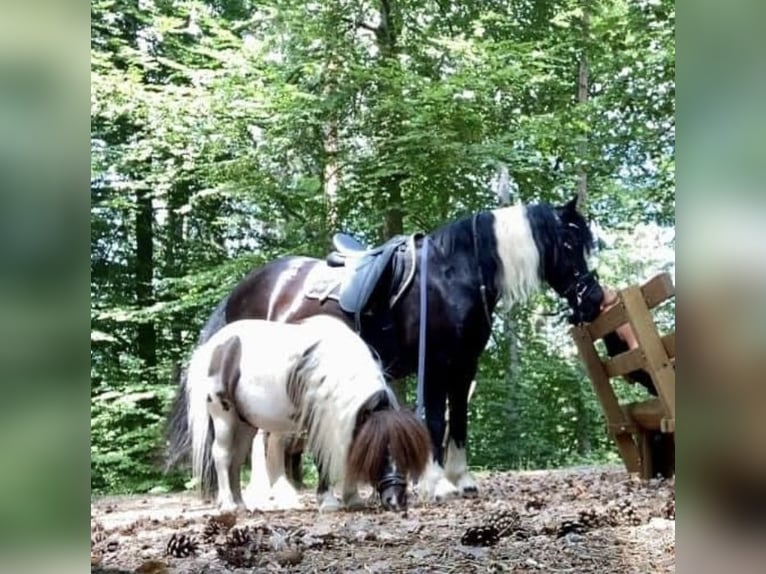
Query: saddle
<point x="365" y="267"/>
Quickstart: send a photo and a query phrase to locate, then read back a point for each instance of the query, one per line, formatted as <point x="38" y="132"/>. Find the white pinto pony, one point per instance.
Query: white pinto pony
<point x="316" y="376"/>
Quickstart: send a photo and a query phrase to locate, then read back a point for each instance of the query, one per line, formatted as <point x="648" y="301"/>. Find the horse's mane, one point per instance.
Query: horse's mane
<point x="337" y="375"/>
<point x="388" y="431"/>
<point x="509" y="262"/>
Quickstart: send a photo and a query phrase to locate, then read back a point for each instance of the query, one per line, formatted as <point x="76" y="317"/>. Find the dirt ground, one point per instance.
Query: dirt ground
<point x="595" y="519"/>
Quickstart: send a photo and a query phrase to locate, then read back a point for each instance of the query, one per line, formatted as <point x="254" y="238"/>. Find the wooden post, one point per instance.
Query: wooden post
<point x="618" y="424"/>
<point x="658" y="364"/>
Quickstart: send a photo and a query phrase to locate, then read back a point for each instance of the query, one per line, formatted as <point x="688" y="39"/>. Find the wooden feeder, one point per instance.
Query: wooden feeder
<point x="644" y="431"/>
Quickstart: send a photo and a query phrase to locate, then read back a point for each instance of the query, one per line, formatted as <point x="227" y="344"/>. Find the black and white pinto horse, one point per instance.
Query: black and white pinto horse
<point x="317" y="376"/>
<point x="471" y="264"/>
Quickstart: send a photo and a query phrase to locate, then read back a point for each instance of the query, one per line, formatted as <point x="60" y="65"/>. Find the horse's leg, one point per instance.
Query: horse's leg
<point x="256" y="493"/>
<point x="243" y="438"/>
<point x="326" y="499"/>
<point x="456" y="468"/>
<point x="434" y="484"/>
<point x="351" y="497"/>
<point x="224" y="427"/>
<point x="283" y="493"/>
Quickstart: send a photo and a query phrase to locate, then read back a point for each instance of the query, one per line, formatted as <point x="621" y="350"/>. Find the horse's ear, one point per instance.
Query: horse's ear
<point x="225" y="360"/>
<point x="571" y="205"/>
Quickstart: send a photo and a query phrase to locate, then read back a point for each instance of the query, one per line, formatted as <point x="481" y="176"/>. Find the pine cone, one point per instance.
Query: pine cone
<point x="238" y="537"/>
<point x="262" y="538"/>
<point x="534" y="503"/>
<point x="480" y="536"/>
<point x="591" y="519"/>
<point x="211" y="531"/>
<point x="623" y="512"/>
<point x="505" y="521"/>
<point x="568" y="527"/>
<point x="239" y="556"/>
<point x="181" y="546"/>
<point x="226" y="519"/>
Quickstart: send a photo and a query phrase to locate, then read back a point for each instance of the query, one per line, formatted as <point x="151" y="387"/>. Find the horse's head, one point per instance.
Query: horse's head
<point x="568" y="241"/>
<point x="389" y="446"/>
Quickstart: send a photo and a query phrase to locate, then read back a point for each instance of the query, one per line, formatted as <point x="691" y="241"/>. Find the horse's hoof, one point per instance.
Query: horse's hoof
<point x="469" y="492"/>
<point x="284" y="496"/>
<point x="232" y="507"/>
<point x="356" y="502"/>
<point x="445" y="491"/>
<point x="329" y="507"/>
<point x="329" y="503"/>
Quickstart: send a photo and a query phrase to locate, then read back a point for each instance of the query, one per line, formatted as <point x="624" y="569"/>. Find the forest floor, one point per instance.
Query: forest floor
<point x="591" y="520"/>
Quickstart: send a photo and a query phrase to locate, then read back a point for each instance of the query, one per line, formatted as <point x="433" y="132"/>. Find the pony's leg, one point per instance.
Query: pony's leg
<point x="243" y="438"/>
<point x="256" y="494"/>
<point x="224" y="427"/>
<point x="326" y="499"/>
<point x="283" y="493"/>
<point x="433" y="485"/>
<point x="351" y="498"/>
<point x="456" y="468"/>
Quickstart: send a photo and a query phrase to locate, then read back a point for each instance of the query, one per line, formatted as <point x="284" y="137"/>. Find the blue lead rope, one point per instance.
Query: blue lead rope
<point x="421" y="409"/>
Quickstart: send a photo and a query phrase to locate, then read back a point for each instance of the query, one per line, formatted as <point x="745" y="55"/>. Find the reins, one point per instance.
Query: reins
<point x="420" y="404"/>
<point x="482" y="286"/>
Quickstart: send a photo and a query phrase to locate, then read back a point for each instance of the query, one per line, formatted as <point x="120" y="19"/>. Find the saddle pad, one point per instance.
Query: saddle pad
<point x="323" y="282"/>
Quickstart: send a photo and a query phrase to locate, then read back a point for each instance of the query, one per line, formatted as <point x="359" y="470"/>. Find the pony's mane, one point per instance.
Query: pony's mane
<point x="389" y="431"/>
<point x="337" y="375"/>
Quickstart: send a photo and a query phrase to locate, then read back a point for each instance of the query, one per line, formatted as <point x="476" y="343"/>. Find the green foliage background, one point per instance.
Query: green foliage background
<point x="226" y="133"/>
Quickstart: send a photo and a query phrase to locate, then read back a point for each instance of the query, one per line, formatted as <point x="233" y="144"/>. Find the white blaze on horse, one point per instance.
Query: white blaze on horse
<point x="316" y="376"/>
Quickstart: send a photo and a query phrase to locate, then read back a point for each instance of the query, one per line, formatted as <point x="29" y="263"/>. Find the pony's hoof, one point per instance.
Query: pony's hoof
<point x="469" y="492"/>
<point x="355" y="502"/>
<point x="329" y="503"/>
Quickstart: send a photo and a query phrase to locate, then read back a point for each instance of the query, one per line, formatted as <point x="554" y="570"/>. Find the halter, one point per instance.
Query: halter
<point x="580" y="285"/>
<point x="392" y="479"/>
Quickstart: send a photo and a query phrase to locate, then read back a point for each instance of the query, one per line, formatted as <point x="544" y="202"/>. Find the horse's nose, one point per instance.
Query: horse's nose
<point x="391" y="501"/>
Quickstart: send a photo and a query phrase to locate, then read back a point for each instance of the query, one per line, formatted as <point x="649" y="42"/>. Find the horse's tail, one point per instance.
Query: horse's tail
<point x="177" y="426"/>
<point x="199" y="423"/>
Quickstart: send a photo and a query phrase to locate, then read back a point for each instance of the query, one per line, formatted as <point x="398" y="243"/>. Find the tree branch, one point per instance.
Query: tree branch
<point x="360" y="24"/>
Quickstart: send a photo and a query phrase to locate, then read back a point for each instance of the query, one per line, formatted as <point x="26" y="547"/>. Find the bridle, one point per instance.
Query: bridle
<point x="576" y="290"/>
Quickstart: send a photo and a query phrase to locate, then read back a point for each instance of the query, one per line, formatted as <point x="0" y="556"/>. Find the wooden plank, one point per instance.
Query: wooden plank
<point x="668" y="425"/>
<point x="655" y="291"/>
<point x="608" y="321"/>
<point x="658" y="364"/>
<point x="646" y="414"/>
<point x="658" y="289"/>
<point x="615" y="417"/>
<point x="634" y="359"/>
<point x="669" y="342"/>
<point x="624" y="363"/>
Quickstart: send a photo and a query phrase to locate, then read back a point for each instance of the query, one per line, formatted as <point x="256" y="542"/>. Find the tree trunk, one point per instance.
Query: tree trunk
<point x="331" y="178"/>
<point x="386" y="36"/>
<point x="582" y="99"/>
<point x="177" y="197"/>
<point x="144" y="272"/>
<point x="583" y="440"/>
